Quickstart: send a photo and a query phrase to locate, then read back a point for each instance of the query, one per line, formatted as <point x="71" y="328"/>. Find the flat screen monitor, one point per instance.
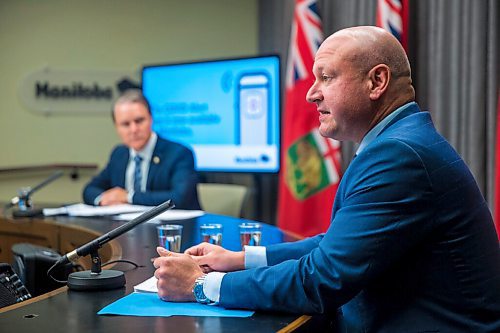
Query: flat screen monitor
<point x="227" y="111"/>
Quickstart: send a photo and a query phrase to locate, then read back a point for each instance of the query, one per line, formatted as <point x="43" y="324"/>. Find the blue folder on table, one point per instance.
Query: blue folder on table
<point x="150" y="305"/>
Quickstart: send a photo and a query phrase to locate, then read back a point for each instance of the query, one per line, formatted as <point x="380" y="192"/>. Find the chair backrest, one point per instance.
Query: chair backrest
<point x="223" y="199"/>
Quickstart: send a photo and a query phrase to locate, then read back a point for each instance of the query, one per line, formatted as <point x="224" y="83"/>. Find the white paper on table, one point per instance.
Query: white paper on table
<point x="88" y="210"/>
<point x="169" y="215"/>
<point x="148" y="286"/>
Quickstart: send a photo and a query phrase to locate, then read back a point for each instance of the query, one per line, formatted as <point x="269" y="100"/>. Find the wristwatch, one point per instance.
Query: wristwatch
<point x="198" y="292"/>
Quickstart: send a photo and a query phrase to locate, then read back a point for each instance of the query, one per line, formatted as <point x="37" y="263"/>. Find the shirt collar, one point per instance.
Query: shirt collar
<point x="148" y="149"/>
<point x="375" y="131"/>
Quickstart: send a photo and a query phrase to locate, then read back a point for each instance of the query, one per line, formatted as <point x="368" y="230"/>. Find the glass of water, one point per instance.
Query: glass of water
<point x="170" y="236"/>
<point x="211" y="233"/>
<point x="250" y="234"/>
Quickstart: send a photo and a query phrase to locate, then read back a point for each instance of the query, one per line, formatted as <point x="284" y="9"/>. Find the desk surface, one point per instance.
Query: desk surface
<point x="72" y="311"/>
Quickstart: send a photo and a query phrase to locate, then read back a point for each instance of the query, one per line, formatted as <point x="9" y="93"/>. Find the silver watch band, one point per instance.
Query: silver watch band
<point x="198" y="292"/>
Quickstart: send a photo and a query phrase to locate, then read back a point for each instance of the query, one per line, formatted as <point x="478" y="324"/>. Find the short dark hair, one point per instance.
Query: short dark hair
<point x="131" y="96"/>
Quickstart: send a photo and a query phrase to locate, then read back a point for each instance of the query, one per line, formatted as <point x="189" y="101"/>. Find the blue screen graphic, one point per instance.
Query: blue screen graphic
<point x="226" y="111"/>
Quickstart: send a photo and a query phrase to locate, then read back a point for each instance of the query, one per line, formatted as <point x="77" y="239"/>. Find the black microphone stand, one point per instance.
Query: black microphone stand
<point x="23" y="201"/>
<point x="96" y="278"/>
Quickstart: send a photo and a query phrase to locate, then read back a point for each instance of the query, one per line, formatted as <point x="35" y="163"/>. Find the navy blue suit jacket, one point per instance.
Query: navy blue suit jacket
<point x="411" y="246"/>
<point x="173" y="177"/>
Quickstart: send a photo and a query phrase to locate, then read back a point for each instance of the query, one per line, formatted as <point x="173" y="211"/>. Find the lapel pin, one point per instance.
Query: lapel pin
<point x="156" y="160"/>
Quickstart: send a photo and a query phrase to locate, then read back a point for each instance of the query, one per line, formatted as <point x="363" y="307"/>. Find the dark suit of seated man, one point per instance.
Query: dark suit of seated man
<point x="169" y="166"/>
<point x="411" y="245"/>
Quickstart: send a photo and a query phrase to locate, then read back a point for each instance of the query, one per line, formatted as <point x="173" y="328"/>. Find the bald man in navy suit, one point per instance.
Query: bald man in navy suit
<point x="411" y="245"/>
<point x="145" y="169"/>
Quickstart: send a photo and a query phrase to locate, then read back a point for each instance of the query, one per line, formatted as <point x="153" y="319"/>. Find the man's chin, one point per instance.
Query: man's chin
<point x="326" y="132"/>
<point x="136" y="146"/>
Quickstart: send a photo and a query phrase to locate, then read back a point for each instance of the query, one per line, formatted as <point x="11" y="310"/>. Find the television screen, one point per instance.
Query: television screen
<point x="226" y="111"/>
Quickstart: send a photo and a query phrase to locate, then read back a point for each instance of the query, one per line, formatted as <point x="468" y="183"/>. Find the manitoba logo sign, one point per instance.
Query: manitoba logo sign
<point x="74" y="91"/>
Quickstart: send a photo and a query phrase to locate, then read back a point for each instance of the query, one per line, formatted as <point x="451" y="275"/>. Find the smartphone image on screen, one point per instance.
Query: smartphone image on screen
<point x="253" y="90"/>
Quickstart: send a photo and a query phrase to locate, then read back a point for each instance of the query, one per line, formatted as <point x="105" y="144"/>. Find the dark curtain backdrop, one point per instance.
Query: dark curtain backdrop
<point x="454" y="53"/>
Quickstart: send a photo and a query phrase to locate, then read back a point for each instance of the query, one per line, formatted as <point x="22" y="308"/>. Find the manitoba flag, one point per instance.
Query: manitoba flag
<point x="310" y="163"/>
<point x="392" y="15"/>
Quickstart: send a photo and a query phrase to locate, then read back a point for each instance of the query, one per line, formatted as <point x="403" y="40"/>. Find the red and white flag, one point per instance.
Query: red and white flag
<point x="310" y="174"/>
<point x="392" y="15"/>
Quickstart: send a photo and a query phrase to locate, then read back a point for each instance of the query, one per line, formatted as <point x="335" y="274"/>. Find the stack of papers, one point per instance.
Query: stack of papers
<point x="148" y="286"/>
<point x="169" y="215"/>
<point x="123" y="212"/>
<point x="88" y="210"/>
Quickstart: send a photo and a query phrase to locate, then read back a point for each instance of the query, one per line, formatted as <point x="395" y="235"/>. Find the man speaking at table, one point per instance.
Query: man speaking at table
<point x="411" y="246"/>
<point x="145" y="169"/>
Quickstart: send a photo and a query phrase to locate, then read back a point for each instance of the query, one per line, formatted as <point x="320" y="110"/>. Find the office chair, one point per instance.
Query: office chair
<point x="223" y="199"/>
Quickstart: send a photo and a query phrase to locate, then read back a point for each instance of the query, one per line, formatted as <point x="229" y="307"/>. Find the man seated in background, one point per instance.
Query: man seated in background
<point x="145" y="169"/>
<point x="411" y="246"/>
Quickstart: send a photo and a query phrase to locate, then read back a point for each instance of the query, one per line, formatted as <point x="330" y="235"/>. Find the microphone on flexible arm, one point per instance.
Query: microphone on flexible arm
<point x="97" y="279"/>
<point x="23" y="200"/>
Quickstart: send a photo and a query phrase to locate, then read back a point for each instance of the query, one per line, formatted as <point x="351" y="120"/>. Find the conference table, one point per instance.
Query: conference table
<point x="64" y="310"/>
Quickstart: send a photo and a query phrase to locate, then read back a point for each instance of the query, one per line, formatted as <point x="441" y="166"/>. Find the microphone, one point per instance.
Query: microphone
<point x="97" y="279"/>
<point x="24" y="201"/>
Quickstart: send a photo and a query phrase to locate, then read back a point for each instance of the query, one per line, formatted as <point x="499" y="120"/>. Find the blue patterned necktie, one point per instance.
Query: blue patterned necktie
<point x="137" y="173"/>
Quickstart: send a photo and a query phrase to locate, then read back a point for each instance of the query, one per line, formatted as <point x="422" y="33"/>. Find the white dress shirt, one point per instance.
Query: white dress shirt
<point x="146" y="154"/>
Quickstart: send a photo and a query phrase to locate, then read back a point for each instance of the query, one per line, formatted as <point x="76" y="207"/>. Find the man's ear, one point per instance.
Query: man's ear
<point x="379" y="77"/>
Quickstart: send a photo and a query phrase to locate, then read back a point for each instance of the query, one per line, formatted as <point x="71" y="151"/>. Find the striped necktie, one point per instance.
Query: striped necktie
<point x="137" y="173"/>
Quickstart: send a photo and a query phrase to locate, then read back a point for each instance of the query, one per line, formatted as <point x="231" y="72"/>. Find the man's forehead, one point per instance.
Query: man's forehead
<point x="336" y="47"/>
<point x="324" y="56"/>
<point x="130" y="103"/>
<point x="338" y="42"/>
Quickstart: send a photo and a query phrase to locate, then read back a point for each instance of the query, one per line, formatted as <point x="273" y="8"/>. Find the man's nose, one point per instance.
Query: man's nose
<point x="134" y="126"/>
<point x="313" y="94"/>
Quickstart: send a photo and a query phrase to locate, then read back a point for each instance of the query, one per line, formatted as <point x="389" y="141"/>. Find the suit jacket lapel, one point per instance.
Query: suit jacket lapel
<point x="122" y="167"/>
<point x="154" y="164"/>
